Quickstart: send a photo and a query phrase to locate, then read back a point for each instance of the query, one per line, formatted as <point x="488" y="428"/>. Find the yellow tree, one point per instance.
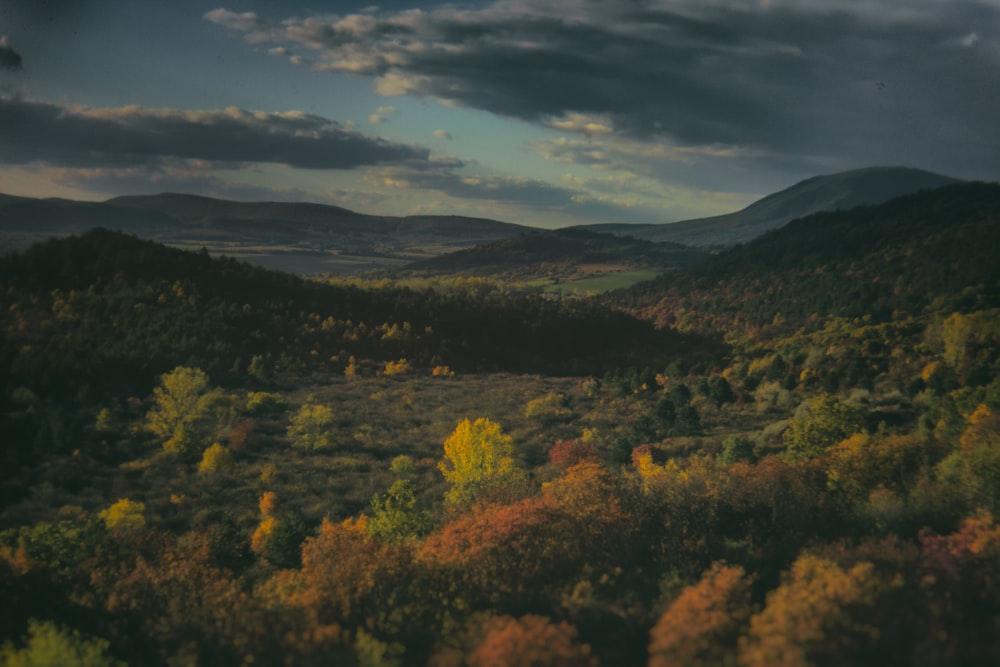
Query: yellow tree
<point x="479" y="460"/>
<point x="180" y="399"/>
<point x="310" y="427"/>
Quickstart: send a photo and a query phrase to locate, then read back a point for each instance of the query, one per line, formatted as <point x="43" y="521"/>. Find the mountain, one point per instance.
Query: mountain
<point x="923" y="255"/>
<point x="562" y="255"/>
<point x="843" y="191"/>
<point x="297" y="237"/>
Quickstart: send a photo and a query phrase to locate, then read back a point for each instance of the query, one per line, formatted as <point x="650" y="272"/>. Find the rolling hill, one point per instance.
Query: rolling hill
<point x="560" y="256"/>
<point x="843" y="191"/>
<point x="926" y="254"/>
<point x="301" y="238"/>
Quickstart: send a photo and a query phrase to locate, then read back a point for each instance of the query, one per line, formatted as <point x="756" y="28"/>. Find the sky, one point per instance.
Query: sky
<point x="540" y="112"/>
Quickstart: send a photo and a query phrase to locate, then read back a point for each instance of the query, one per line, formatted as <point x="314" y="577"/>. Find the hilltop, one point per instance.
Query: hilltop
<point x="842" y="191"/>
<point x="298" y="237"/>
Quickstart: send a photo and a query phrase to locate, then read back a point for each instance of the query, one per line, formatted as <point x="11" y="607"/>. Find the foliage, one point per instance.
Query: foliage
<point x="825" y="421"/>
<point x="178" y="401"/>
<point x="309" y="428"/>
<point x="49" y="645"/>
<point x="215" y="459"/>
<point x="265" y="402"/>
<point x="395" y="516"/>
<point x="703" y="624"/>
<point x="124" y="515"/>
<point x="479" y="461"/>
<point x="532" y="641"/>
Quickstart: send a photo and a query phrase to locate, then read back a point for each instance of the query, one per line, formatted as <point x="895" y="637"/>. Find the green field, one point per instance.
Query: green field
<point x="604" y="283"/>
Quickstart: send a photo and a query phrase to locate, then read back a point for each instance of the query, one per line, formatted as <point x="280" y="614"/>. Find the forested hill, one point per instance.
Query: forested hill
<point x="543" y="252"/>
<point x="106" y="307"/>
<point x="937" y="250"/>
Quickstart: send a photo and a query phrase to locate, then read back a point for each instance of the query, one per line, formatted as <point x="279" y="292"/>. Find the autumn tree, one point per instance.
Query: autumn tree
<point x="216" y="458"/>
<point x="124" y="515"/>
<point x="530" y="641"/>
<point x="395" y="516"/>
<point x="179" y="399"/>
<point x="824" y="421"/>
<point x="479" y="462"/>
<point x="310" y="427"/>
<point x="702" y="626"/>
<point x="186" y="409"/>
<point x="49" y="645"/>
<point x="823" y="613"/>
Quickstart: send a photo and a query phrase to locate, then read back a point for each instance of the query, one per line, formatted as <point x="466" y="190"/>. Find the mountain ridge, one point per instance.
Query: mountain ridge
<point x="839" y="191"/>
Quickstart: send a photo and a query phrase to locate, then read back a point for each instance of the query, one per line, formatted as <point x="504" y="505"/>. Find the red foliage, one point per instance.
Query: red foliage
<point x="566" y="453"/>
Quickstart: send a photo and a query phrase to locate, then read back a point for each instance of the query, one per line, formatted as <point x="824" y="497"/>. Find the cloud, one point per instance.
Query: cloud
<point x="450" y="179"/>
<point x="783" y="80"/>
<point x="9" y="58"/>
<point x="73" y="136"/>
<point x="443" y="135"/>
<point x="381" y="115"/>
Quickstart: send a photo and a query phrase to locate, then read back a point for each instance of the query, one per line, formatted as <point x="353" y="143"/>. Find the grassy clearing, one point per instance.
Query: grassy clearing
<point x="604" y="283"/>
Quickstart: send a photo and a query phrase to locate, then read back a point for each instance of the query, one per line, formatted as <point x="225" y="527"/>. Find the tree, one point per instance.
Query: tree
<point x="702" y="626"/>
<point x="124" y="514"/>
<point x="215" y="458"/>
<point x="186" y="409"/>
<point x="395" y="517"/>
<point x="530" y="641"/>
<point x="310" y="427"/>
<point x="479" y="459"/>
<point x="822" y="614"/>
<point x="180" y="399"/>
<point x="825" y="421"/>
<point x="49" y="645"/>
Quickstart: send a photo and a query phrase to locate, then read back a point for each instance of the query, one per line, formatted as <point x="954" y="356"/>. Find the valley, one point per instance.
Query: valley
<point x="205" y="460"/>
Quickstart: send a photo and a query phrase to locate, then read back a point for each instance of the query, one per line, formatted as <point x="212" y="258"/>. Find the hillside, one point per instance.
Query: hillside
<point x="301" y="238"/>
<point x="937" y="249"/>
<point x="560" y="256"/>
<point x="842" y="191"/>
<point x="204" y="461"/>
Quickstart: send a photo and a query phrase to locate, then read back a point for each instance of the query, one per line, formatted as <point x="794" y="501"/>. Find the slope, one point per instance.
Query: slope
<point x="562" y="256"/>
<point x="842" y="191"/>
<point x="933" y="251"/>
<point x="297" y="237"/>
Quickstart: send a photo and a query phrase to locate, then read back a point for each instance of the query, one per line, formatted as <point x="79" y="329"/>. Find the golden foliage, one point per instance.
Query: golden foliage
<point x="124" y="515"/>
<point x="479" y="458"/>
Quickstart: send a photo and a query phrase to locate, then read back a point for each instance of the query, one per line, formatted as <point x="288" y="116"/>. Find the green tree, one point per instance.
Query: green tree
<point x="825" y="421"/>
<point x="479" y="459"/>
<point x="395" y="517"/>
<point x="310" y="427"/>
<point x="49" y="645"/>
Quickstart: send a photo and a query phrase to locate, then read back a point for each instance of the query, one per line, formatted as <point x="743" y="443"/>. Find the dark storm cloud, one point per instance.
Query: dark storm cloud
<point x="9" y="58"/>
<point x="874" y="82"/>
<point x="134" y="136"/>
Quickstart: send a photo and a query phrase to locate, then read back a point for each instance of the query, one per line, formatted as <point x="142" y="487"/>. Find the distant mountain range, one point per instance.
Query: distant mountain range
<point x="301" y="238"/>
<point x="843" y="191"/>
<point x="314" y="238"/>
